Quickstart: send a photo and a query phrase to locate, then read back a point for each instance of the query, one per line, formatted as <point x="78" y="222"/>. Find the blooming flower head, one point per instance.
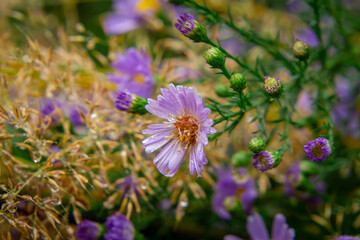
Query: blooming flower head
<point x="318" y="149"/>
<point x="272" y="86"/>
<point x="134" y="73"/>
<point x="87" y="230"/>
<point x="266" y="160"/>
<point x="185" y="23"/>
<point x="280" y="230"/>
<point x="129" y="15"/>
<point x="227" y="187"/>
<point x="187" y="128"/>
<point x="119" y="228"/>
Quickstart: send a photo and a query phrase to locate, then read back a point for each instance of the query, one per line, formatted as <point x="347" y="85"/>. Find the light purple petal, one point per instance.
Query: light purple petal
<point x="256" y="228"/>
<point x="156" y="128"/>
<point x="156" y="141"/>
<point x="231" y="237"/>
<point x="159" y="110"/>
<point x="115" y="24"/>
<point x="170" y="158"/>
<point x="277" y="228"/>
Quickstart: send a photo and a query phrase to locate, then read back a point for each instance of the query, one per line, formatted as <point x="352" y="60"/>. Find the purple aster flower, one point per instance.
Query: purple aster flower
<point x="280" y="230"/>
<point x="308" y="35"/>
<point x="128" y="185"/>
<point x="88" y="230"/>
<point x="47" y="109"/>
<point x="318" y="149"/>
<point x="129" y="15"/>
<point x="185" y="23"/>
<point x="73" y="112"/>
<point x="346" y="238"/>
<point x="227" y="187"/>
<point x="187" y="128"/>
<point x="263" y="161"/>
<point x="135" y="75"/>
<point x="119" y="228"/>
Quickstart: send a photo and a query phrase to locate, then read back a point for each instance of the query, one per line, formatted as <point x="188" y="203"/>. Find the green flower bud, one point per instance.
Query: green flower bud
<point x="223" y="91"/>
<point x="309" y="168"/>
<point x="276" y="156"/>
<point x="241" y="159"/>
<point x="237" y="82"/>
<point x="214" y="57"/>
<point x="301" y="50"/>
<point x="256" y="144"/>
<point x="131" y="103"/>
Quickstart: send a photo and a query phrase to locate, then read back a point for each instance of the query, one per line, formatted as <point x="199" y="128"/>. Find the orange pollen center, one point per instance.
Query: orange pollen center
<point x="139" y="78"/>
<point x="186" y="129"/>
<point x="317" y="151"/>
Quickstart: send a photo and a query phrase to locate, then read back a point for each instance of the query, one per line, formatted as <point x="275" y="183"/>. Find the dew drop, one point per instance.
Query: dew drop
<point x="183" y="204"/>
<point x="94" y="115"/>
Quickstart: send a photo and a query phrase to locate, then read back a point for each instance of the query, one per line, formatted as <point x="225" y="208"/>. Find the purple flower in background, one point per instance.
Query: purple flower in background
<point x="128" y="185"/>
<point x="119" y="228"/>
<point x="346" y="238"/>
<point x="87" y="230"/>
<point x="47" y="108"/>
<point x="185" y="23"/>
<point x="263" y="161"/>
<point x="135" y="75"/>
<point x="73" y="112"/>
<point x="227" y="187"/>
<point x="318" y="149"/>
<point x="129" y="15"/>
<point x="187" y="128"/>
<point x="292" y="178"/>
<point x="308" y="35"/>
<point x="280" y="230"/>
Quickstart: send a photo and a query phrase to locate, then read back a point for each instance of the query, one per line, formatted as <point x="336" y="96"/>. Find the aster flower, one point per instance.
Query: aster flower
<point x="88" y="230"/>
<point x="191" y="28"/>
<point x="127" y="186"/>
<point x="273" y="86"/>
<point x="346" y="238"/>
<point x="187" y="128"/>
<point x="47" y="109"/>
<point x="266" y="160"/>
<point x="292" y="178"/>
<point x="280" y="230"/>
<point x="227" y="187"/>
<point x="119" y="228"/>
<point x="134" y="73"/>
<point x="73" y="112"/>
<point x="129" y="15"/>
<point x="318" y="149"/>
<point x="128" y="102"/>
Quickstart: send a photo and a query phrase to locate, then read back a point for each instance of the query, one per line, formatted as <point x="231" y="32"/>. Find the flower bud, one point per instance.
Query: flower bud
<point x="273" y="86"/>
<point x="214" y="57"/>
<point x="223" y="91"/>
<point x="131" y="103"/>
<point x="256" y="144"/>
<point x="191" y="28"/>
<point x="301" y="50"/>
<point x="237" y="82"/>
<point x="309" y="168"/>
<point x="241" y="159"/>
<point x="266" y="160"/>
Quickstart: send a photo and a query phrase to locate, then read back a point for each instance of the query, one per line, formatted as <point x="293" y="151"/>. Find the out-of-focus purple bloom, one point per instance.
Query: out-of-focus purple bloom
<point x="263" y="161"/>
<point x="119" y="228"/>
<point x="232" y="237"/>
<point x="318" y="149"/>
<point x="346" y="238"/>
<point x="134" y="73"/>
<point x="308" y="35"/>
<point x="296" y="6"/>
<point x="129" y="15"/>
<point x="73" y="112"/>
<point x="304" y="102"/>
<point x="187" y="128"/>
<point x="47" y="108"/>
<point x="227" y="187"/>
<point x="230" y="41"/>
<point x="292" y="178"/>
<point x="280" y="230"/>
<point x="123" y="101"/>
<point x="128" y="186"/>
<point x="185" y="23"/>
<point x="88" y="230"/>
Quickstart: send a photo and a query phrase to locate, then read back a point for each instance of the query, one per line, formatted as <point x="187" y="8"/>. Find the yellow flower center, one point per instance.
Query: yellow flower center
<point x="139" y="78"/>
<point x="316" y="151"/>
<point x="186" y="129"/>
<point x="147" y="5"/>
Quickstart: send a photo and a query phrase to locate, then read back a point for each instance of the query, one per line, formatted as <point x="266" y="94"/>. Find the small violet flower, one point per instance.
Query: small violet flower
<point x="318" y="149"/>
<point x="87" y="230"/>
<point x="134" y="73"/>
<point x="266" y="160"/>
<point x="227" y="187"/>
<point x="185" y="23"/>
<point x="119" y="228"/>
<point x="187" y="129"/>
<point x="129" y="15"/>
<point x="73" y="112"/>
